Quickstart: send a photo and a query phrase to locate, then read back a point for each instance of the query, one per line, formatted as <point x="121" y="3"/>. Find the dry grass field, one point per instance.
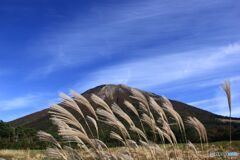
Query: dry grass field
<point x="220" y="147"/>
<point x="22" y="155"/>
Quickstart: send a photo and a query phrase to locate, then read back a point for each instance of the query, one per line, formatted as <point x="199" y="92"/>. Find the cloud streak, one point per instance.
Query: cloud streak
<point x="17" y="103"/>
<point x="28" y="101"/>
<point x="126" y="30"/>
<point x="163" y="69"/>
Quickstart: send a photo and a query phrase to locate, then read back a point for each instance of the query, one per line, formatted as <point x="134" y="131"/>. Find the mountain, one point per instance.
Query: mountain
<point x="217" y="126"/>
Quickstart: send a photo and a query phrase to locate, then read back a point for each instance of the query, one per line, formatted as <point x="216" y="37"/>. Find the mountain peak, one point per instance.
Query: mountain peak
<point x="110" y="92"/>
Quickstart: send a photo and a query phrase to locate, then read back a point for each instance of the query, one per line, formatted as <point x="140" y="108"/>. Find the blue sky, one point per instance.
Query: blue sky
<point x="181" y="49"/>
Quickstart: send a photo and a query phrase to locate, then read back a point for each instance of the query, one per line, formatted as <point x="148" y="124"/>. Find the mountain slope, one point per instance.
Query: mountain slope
<point x="217" y="126"/>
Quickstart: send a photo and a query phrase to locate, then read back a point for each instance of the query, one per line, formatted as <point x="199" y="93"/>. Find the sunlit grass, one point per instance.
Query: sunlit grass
<point x="222" y="146"/>
<point x="22" y="154"/>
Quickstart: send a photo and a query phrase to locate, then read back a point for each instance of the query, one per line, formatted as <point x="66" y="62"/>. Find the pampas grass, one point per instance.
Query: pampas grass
<point x="131" y="107"/>
<point x="167" y="106"/>
<point x="78" y="144"/>
<point x="199" y="127"/>
<point x="101" y="103"/>
<point x="227" y="89"/>
<point x="82" y="100"/>
<point x="118" y="111"/>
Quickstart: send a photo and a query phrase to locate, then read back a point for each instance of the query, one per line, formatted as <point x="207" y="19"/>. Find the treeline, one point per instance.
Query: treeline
<point x="12" y="137"/>
<point x="18" y="137"/>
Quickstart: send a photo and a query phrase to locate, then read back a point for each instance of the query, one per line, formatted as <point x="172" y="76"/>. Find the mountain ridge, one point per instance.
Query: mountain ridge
<point x="117" y="93"/>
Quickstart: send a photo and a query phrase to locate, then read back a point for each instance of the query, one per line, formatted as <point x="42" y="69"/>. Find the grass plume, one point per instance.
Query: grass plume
<point x="227" y="89"/>
<point x="148" y="115"/>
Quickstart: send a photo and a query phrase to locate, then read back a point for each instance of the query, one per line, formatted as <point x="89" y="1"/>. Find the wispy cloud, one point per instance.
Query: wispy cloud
<point x="20" y="106"/>
<point x="18" y="102"/>
<point x="33" y="101"/>
<point x="163" y="69"/>
<point x="126" y="29"/>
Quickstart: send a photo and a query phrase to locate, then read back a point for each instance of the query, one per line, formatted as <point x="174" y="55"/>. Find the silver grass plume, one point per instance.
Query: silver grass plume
<point x="63" y="115"/>
<point x="167" y="106"/>
<point x="101" y="103"/>
<point x="131" y="107"/>
<point x="199" y="127"/>
<point x="117" y="110"/>
<point x="69" y="102"/>
<point x="81" y="99"/>
<point x="158" y="109"/>
<point x="227" y="89"/>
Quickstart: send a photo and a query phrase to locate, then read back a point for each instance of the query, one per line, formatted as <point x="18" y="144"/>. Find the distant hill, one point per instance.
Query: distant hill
<point x="217" y="126"/>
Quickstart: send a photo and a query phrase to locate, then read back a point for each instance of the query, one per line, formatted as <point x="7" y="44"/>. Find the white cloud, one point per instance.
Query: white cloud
<point x="72" y="44"/>
<point x="218" y="81"/>
<point x="163" y="69"/>
<point x="29" y="101"/>
<point x="18" y="102"/>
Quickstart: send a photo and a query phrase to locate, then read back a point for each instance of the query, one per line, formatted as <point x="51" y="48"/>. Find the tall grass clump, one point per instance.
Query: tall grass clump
<point x="144" y="130"/>
<point x="227" y="89"/>
<point x="199" y="127"/>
